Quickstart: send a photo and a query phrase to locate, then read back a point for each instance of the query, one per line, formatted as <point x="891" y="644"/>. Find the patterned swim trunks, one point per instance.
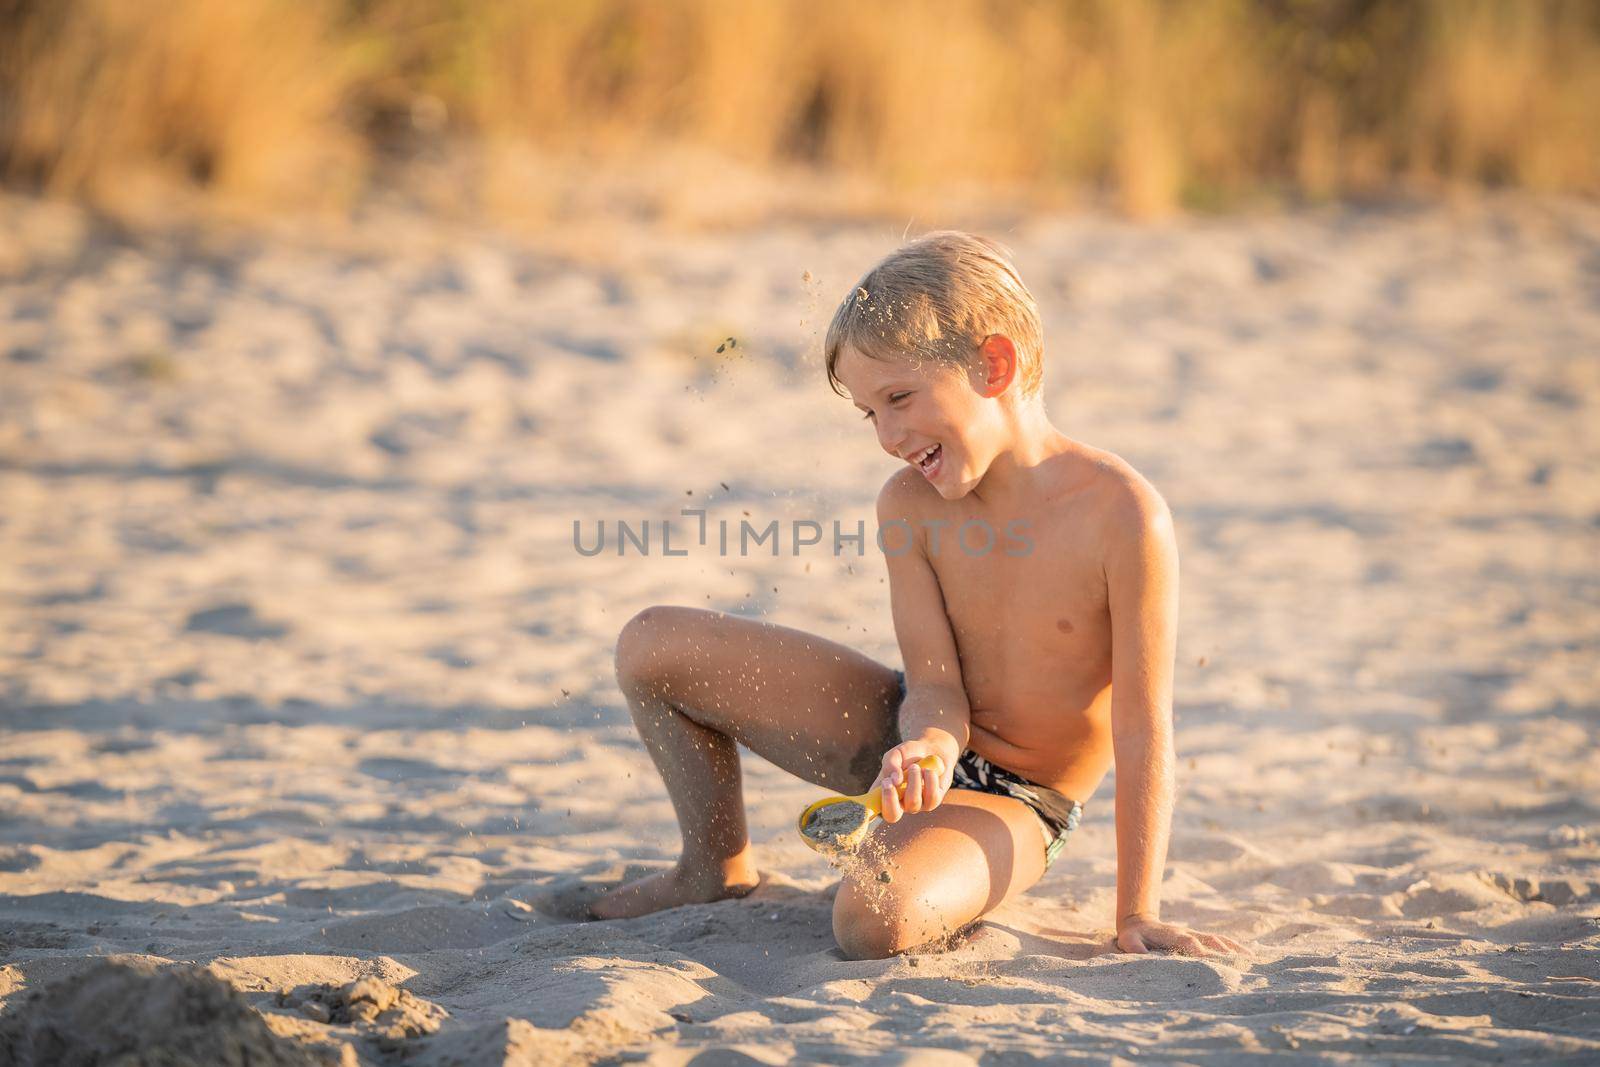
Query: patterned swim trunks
<point x="1058" y="814"/>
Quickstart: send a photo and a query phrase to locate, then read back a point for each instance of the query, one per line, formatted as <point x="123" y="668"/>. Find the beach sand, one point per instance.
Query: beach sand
<point x="302" y="680"/>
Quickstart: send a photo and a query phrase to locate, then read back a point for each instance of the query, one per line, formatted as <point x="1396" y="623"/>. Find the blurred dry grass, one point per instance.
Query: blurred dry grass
<point x="1158" y="104"/>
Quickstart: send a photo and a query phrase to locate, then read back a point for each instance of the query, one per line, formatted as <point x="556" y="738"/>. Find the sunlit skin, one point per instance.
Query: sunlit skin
<point x="1052" y="662"/>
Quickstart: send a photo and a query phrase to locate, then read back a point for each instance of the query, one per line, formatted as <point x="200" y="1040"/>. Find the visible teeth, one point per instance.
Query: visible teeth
<point x="922" y="457"/>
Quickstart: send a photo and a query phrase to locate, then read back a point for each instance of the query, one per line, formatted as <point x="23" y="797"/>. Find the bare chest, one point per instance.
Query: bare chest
<point x="1030" y="618"/>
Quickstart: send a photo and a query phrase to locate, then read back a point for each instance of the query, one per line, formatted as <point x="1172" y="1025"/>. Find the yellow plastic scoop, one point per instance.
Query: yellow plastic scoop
<point x="840" y="824"/>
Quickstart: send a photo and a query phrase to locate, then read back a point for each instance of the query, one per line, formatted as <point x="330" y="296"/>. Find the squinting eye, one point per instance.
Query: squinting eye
<point x="898" y="397"/>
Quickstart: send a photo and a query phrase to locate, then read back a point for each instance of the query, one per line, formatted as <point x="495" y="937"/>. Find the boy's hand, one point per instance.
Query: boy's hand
<point x="924" y="789"/>
<point x="1142" y="935"/>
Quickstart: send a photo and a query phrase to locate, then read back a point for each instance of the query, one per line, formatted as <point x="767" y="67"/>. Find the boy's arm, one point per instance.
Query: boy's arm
<point x="934" y="717"/>
<point x="1142" y="591"/>
<point x="1142" y="584"/>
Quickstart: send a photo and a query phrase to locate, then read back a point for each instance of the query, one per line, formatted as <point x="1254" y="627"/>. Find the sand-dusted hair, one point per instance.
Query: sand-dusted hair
<point x="938" y="298"/>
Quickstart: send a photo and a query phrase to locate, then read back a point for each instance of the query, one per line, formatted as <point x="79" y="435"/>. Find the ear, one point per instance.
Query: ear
<point x="997" y="364"/>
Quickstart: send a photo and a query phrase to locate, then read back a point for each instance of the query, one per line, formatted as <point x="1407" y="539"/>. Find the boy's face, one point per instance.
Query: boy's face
<point x="928" y="414"/>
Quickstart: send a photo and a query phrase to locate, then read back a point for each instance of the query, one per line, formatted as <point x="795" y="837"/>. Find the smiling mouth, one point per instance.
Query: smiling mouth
<point x="927" y="461"/>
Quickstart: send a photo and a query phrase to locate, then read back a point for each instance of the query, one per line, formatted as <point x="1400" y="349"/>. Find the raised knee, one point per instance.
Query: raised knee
<point x="643" y="648"/>
<point x="870" y="932"/>
<point x="634" y="643"/>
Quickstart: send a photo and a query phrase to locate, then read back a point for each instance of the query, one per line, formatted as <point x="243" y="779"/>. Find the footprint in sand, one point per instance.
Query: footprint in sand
<point x="569" y="898"/>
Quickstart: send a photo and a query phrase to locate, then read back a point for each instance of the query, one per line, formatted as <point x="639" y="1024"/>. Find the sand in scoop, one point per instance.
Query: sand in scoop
<point x="838" y="826"/>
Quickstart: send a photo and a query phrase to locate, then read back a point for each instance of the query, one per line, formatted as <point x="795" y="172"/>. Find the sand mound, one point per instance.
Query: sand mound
<point x="387" y="1010"/>
<point x="123" y="1014"/>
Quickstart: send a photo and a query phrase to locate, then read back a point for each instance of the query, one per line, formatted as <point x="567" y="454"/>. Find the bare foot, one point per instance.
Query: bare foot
<point x="673" y="888"/>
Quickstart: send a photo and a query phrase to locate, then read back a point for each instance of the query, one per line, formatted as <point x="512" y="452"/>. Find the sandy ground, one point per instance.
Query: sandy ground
<point x="302" y="680"/>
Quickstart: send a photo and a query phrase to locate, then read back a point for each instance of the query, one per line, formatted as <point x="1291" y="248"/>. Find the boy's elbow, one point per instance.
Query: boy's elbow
<point x="1143" y="740"/>
<point x="1141" y="723"/>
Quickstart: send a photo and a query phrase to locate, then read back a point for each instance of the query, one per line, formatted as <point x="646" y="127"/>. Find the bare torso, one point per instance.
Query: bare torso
<point x="1033" y="628"/>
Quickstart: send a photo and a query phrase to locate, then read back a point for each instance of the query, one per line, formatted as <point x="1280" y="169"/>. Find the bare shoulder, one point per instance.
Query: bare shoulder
<point x="905" y="500"/>
<point x="905" y="495"/>
<point x="1132" y="514"/>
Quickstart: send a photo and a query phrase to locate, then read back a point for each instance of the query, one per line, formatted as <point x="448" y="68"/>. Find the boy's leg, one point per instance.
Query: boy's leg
<point x="947" y="867"/>
<point x="696" y="682"/>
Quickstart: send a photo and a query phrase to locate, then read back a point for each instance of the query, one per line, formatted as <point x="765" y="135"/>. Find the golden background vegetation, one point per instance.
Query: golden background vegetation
<point x="1156" y="105"/>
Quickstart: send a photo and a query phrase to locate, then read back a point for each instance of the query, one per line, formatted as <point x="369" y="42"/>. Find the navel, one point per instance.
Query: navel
<point x="1064" y="626"/>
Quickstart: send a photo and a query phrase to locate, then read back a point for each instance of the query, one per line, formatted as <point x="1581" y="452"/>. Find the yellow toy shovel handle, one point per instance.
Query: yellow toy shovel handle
<point x="872" y="799"/>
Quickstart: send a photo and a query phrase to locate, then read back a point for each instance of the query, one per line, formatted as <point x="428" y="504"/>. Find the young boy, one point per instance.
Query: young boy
<point x="1029" y="666"/>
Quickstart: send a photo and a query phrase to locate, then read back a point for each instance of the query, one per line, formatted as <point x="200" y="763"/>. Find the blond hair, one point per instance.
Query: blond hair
<point x="938" y="298"/>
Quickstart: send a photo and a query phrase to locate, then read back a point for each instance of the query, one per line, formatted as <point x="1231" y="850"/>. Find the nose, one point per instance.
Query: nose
<point x="890" y="435"/>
